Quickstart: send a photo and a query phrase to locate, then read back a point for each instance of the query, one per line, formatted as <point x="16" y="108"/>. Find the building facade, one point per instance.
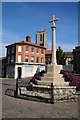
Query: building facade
<point x="67" y="66"/>
<point x="3" y="67"/>
<point x="69" y="58"/>
<point x="24" y="58"/>
<point x="41" y="38"/>
<point x="48" y="56"/>
<point x="76" y="59"/>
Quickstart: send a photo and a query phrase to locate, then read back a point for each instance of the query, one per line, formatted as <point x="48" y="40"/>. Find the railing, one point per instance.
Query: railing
<point x="50" y="93"/>
<point x="38" y="91"/>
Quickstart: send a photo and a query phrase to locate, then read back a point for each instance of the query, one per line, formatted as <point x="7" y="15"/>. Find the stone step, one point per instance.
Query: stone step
<point x="66" y="83"/>
<point x="44" y="82"/>
<point x="49" y="74"/>
<point x="61" y="83"/>
<point x="49" y="68"/>
<point x="56" y="75"/>
<point x="46" y="78"/>
<point x="56" y="67"/>
<point x="49" y="83"/>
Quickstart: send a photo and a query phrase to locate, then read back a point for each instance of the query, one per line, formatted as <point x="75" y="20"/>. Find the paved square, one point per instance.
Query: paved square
<point x="18" y="108"/>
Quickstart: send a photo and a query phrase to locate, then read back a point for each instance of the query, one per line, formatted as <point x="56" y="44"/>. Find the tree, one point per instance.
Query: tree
<point x="61" y="56"/>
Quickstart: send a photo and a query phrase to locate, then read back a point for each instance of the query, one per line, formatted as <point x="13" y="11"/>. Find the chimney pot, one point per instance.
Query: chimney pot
<point x="28" y="38"/>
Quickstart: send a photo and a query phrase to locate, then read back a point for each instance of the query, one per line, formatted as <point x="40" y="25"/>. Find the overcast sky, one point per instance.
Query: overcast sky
<point x="20" y="19"/>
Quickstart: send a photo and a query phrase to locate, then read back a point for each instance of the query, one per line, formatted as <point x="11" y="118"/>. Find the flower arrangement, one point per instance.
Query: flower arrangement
<point x="73" y="80"/>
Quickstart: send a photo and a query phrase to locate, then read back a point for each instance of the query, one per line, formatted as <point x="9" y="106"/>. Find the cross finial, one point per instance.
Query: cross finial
<point x="53" y="20"/>
<point x="53" y="16"/>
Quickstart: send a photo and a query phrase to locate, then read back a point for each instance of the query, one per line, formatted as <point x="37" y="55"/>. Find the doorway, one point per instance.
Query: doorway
<point x="19" y="72"/>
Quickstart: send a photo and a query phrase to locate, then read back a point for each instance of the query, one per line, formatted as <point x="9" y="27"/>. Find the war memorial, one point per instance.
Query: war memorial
<point x="52" y="85"/>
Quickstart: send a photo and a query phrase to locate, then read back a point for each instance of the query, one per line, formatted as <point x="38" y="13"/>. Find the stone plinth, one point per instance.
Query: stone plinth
<point x="53" y="75"/>
<point x="63" y="93"/>
<point x="57" y="77"/>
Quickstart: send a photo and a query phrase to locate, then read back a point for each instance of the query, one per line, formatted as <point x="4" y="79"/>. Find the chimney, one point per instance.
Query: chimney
<point x="28" y="38"/>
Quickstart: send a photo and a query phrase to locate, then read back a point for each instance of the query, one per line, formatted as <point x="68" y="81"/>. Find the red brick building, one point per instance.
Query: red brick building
<point x="24" y="56"/>
<point x="48" y="56"/>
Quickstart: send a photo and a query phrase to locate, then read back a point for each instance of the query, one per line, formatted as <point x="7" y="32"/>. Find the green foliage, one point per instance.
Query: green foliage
<point x="61" y="56"/>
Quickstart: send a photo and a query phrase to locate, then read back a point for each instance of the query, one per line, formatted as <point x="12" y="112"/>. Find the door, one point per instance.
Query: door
<point x="19" y="72"/>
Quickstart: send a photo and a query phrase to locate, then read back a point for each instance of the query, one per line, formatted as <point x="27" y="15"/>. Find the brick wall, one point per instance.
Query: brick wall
<point x="24" y="53"/>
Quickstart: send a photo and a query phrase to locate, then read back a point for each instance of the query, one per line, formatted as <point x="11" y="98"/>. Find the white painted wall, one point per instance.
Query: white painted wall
<point x="28" y="70"/>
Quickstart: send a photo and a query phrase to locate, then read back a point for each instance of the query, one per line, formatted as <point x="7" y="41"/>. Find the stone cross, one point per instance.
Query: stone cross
<point x="53" y="40"/>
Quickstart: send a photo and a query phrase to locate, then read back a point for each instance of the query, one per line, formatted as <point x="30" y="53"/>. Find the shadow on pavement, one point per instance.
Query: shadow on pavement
<point x="12" y="93"/>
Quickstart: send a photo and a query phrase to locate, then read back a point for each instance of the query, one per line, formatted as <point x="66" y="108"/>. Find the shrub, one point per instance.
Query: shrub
<point x="64" y="71"/>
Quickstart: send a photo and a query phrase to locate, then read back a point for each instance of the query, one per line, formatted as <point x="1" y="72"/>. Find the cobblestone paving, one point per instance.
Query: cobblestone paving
<point x="18" y="108"/>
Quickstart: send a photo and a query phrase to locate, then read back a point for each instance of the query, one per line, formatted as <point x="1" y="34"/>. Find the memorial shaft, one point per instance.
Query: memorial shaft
<point x="54" y="40"/>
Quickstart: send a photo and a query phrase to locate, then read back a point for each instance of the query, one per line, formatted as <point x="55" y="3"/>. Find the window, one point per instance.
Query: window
<point x="27" y="48"/>
<point x="37" y="51"/>
<point x="8" y="59"/>
<point x="40" y="37"/>
<point x="42" y="51"/>
<point x="19" y="58"/>
<point x="32" y="59"/>
<point x="32" y="49"/>
<point x="13" y="49"/>
<point x="8" y="50"/>
<point x="19" y="49"/>
<point x="26" y="58"/>
<point x="12" y="59"/>
<point x="42" y="60"/>
<point x="37" y="60"/>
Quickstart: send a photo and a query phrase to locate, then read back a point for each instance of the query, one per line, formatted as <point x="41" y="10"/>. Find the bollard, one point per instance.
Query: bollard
<point x="52" y="96"/>
<point x="16" y="92"/>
